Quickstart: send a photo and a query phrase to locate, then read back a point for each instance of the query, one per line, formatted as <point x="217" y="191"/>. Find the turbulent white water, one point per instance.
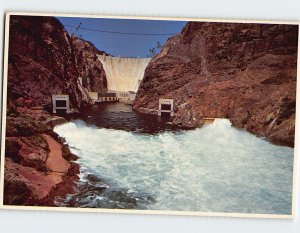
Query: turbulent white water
<point x="215" y="168"/>
<point x="123" y="74"/>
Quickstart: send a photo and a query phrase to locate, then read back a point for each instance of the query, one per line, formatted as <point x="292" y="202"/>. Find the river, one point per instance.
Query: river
<point x="134" y="161"/>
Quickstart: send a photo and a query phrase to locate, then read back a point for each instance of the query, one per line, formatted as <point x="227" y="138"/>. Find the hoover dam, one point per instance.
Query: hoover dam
<point x="123" y="74"/>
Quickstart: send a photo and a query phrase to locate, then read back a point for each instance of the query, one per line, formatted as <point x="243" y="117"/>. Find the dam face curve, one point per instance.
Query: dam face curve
<point x="123" y="74"/>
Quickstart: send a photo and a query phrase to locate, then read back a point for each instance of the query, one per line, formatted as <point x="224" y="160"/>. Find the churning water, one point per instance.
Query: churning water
<point x="217" y="168"/>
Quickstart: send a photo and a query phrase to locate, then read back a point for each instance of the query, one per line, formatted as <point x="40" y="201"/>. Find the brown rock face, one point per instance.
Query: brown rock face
<point x="244" y="72"/>
<point x="88" y="65"/>
<point x="38" y="165"/>
<point x="45" y="60"/>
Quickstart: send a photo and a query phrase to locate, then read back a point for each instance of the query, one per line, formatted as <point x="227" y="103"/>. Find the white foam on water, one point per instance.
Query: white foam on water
<point x="217" y="168"/>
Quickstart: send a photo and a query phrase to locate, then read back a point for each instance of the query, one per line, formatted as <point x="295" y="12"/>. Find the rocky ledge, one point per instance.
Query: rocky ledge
<point x="244" y="72"/>
<point x="38" y="165"/>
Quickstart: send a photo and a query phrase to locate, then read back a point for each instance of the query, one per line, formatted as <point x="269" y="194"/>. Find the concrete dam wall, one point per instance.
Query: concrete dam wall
<point x="123" y="74"/>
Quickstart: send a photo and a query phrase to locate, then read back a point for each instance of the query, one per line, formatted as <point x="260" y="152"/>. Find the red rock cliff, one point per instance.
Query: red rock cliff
<point x="46" y="60"/>
<point x="88" y="66"/>
<point x="43" y="60"/>
<point x="245" y="72"/>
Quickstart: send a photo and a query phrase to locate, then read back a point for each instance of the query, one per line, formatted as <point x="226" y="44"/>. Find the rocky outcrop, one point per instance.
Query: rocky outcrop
<point x="244" y="72"/>
<point x="88" y="65"/>
<point x="46" y="60"/>
<point x="37" y="162"/>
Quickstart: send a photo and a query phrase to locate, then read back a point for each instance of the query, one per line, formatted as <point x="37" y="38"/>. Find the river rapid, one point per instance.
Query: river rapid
<point x="133" y="161"/>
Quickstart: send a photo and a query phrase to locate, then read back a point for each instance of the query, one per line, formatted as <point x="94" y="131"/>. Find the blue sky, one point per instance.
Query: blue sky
<point x="120" y="44"/>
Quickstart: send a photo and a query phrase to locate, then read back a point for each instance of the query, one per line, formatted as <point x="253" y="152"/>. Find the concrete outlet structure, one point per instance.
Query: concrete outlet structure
<point x="121" y="96"/>
<point x="166" y="107"/>
<point x="126" y="97"/>
<point x="61" y="103"/>
<point x="94" y="96"/>
<point x="211" y="120"/>
<point x="107" y="97"/>
<point x="103" y="97"/>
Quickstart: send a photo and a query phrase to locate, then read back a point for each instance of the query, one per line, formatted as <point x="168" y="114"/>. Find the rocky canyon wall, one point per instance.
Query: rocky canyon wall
<point x="244" y="72"/>
<point x="123" y="74"/>
<point x="44" y="59"/>
<point x="88" y="66"/>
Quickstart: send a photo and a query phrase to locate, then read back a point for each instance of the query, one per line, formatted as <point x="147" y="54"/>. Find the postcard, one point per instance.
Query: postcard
<point x="149" y="115"/>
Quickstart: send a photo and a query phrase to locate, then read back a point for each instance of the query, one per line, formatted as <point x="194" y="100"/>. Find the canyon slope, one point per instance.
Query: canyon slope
<point x="244" y="72"/>
<point x="43" y="60"/>
<point x="41" y="51"/>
